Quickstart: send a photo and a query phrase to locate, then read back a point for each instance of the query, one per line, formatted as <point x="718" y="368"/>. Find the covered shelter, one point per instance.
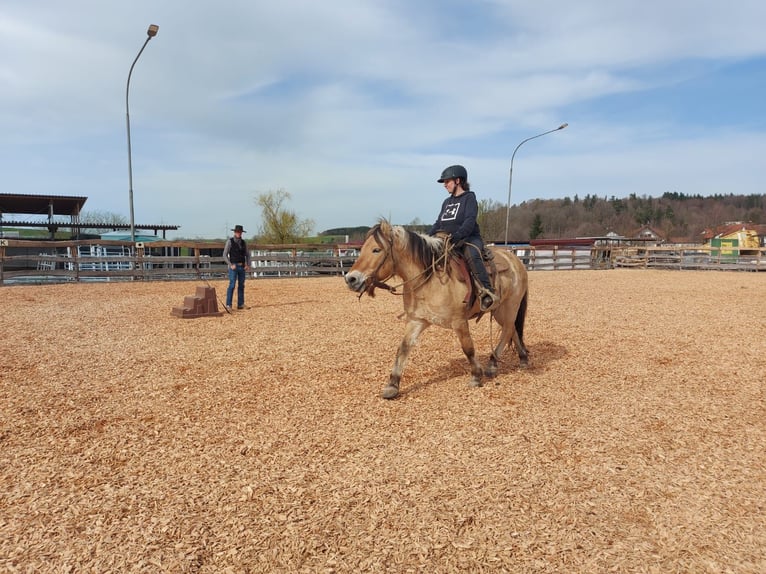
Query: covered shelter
<point x="51" y="206"/>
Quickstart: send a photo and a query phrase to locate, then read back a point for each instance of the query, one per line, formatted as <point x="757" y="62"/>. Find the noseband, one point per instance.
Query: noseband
<point x="373" y="281"/>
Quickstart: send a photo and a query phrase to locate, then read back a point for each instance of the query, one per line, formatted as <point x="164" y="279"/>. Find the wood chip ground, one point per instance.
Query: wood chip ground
<point x="135" y="441"/>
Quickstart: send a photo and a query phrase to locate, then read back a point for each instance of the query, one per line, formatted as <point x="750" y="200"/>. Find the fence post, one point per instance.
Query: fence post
<point x="140" y="259"/>
<point x="3" y="243"/>
<point x="76" y="262"/>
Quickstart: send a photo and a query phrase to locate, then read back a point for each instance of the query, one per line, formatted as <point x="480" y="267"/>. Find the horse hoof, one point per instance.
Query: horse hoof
<point x="475" y="383"/>
<point x="490" y="372"/>
<point x="390" y="392"/>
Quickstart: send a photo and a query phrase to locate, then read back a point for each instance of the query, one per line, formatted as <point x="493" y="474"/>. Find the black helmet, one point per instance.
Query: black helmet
<point x="454" y="172"/>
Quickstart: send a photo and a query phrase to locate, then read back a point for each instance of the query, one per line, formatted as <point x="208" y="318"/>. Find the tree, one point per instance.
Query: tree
<point x="537" y="227"/>
<point x="279" y="224"/>
<point x="101" y="218"/>
<point x="682" y="217"/>
<point x="491" y="219"/>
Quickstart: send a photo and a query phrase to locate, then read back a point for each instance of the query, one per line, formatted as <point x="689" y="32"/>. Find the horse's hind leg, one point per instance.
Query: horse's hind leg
<point x="505" y="338"/>
<point x="518" y="342"/>
<point x="466" y="342"/>
<point x="411" y="333"/>
<point x="518" y="332"/>
<point x="512" y="330"/>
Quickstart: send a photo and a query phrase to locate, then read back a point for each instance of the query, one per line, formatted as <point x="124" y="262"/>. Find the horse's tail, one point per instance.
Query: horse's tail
<point x="521" y="315"/>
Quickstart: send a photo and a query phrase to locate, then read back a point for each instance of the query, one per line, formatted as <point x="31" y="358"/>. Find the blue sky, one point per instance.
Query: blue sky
<point x="355" y="106"/>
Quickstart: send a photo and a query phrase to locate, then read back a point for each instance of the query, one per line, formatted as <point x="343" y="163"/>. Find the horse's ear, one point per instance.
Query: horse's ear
<point x="385" y="227"/>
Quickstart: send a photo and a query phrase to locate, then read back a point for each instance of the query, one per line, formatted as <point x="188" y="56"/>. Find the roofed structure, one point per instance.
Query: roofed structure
<point x="52" y="205"/>
<point x="733" y="227"/>
<point x="648" y="233"/>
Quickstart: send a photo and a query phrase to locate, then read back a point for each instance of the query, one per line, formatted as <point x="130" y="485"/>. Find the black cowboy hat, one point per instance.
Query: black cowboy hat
<point x="239" y="228"/>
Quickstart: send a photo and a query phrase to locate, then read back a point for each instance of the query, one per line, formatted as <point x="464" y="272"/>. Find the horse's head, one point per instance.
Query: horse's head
<point x="392" y="250"/>
<point x="375" y="263"/>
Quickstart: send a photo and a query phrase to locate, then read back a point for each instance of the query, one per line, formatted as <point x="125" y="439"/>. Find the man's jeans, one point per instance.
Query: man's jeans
<point x="235" y="275"/>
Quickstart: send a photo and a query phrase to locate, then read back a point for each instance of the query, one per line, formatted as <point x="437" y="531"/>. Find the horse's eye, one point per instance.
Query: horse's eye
<point x="376" y="250"/>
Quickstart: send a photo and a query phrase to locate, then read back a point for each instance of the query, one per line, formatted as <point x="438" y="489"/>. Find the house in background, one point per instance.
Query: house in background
<point x="736" y="234"/>
<point x="649" y="234"/>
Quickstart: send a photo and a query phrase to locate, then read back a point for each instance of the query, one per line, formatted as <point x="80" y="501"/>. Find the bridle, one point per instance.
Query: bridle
<point x="374" y="282"/>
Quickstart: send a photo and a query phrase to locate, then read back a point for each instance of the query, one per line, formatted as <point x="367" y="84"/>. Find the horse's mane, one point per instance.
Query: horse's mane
<point x="424" y="249"/>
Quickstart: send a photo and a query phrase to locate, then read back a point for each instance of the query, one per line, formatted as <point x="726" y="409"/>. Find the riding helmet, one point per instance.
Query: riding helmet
<point x="454" y="172"/>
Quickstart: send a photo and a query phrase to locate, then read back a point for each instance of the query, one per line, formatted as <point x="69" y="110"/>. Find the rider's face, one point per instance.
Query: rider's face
<point x="450" y="185"/>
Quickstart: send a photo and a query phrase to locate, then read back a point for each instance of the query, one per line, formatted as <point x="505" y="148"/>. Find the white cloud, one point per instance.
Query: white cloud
<point x="355" y="106"/>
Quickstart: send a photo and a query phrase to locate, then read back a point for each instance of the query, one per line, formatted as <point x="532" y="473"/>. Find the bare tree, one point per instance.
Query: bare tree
<point x="491" y="219"/>
<point x="101" y="218"/>
<point x="280" y="225"/>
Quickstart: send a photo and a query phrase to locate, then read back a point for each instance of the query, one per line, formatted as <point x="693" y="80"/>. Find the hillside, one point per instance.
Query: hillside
<point x="678" y="217"/>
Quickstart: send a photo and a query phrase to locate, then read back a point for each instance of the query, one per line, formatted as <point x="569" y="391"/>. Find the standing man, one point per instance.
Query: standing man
<point x="237" y="256"/>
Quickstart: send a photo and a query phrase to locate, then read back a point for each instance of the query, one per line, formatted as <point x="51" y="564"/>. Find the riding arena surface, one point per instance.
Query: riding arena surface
<point x="132" y="440"/>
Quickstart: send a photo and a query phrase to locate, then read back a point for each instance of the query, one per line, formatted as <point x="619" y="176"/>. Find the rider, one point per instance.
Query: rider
<point x="458" y="219"/>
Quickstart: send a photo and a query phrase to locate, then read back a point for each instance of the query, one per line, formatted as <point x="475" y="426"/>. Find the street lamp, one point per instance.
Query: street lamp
<point x="510" y="176"/>
<point x="150" y="33"/>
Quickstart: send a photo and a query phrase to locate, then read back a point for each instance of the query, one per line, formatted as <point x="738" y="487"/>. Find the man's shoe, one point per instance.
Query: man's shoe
<point x="240" y="306"/>
<point x="227" y="307"/>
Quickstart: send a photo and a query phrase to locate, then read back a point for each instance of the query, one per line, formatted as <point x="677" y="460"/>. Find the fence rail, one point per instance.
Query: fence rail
<point x="692" y="257"/>
<point x="106" y="260"/>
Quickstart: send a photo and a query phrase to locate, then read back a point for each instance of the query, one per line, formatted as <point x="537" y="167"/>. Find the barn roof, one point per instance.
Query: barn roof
<point x="729" y="228"/>
<point x="41" y="204"/>
<point x="52" y="205"/>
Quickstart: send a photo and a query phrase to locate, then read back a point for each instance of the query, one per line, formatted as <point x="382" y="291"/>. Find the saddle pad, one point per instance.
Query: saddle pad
<point x="458" y="264"/>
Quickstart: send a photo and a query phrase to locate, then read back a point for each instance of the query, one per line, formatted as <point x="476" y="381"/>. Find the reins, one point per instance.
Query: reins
<point x="377" y="283"/>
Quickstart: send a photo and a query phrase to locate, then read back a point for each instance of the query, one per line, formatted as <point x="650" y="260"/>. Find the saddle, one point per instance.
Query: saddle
<point x="460" y="266"/>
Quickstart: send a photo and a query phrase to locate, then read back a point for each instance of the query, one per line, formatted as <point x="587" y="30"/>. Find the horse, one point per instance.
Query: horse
<point x="434" y="293"/>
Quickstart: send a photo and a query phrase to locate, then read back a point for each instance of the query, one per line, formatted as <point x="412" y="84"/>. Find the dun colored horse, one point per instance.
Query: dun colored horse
<point x="435" y="293"/>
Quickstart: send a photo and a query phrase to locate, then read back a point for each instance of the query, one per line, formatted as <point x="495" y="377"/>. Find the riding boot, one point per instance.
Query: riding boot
<point x="487" y="299"/>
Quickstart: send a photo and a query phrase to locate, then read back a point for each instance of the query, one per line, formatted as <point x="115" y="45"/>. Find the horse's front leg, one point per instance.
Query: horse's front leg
<point x="466" y="342"/>
<point x="411" y="333"/>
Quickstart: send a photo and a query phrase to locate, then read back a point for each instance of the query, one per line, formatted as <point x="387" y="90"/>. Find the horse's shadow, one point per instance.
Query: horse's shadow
<point x="541" y="355"/>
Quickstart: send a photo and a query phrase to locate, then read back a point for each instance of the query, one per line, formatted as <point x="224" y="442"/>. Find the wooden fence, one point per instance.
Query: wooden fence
<point x="24" y="261"/>
<point x="691" y="257"/>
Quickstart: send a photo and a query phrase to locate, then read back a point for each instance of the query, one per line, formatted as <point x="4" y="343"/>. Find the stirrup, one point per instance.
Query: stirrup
<point x="488" y="300"/>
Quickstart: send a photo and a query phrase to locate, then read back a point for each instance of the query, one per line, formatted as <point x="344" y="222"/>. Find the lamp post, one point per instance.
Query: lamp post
<point x="510" y="176"/>
<point x="150" y="33"/>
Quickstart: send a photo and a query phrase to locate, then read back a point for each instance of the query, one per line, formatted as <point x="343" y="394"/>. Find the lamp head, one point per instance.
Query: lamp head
<point x="152" y="31"/>
<point x="562" y="126"/>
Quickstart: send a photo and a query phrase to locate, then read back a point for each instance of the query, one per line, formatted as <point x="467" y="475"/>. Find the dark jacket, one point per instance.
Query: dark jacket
<point x="458" y="217"/>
